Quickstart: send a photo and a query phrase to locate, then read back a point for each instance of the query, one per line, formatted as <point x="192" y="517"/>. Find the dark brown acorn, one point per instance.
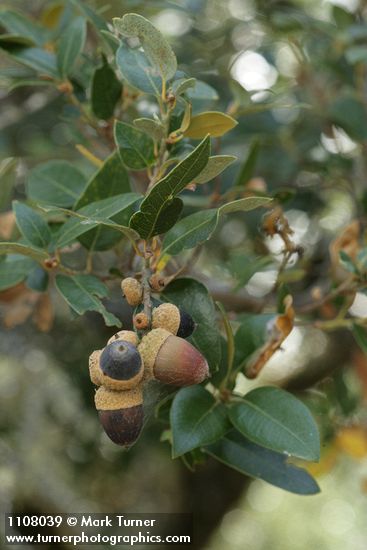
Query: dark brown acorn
<point x="187" y="324"/>
<point x="171" y="359"/>
<point x="121" y="414"/>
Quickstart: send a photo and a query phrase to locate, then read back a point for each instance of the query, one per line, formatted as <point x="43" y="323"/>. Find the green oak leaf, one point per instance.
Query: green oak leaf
<point x="96" y="214"/>
<point x="196" y="419"/>
<point x="250" y="459"/>
<point x="155" y="46"/>
<point x="71" y="44"/>
<point x="36" y="254"/>
<point x="198" y="228"/>
<point x="160" y="208"/>
<point x="83" y="293"/>
<point x="31" y="225"/>
<point x="105" y="92"/>
<point x="275" y="419"/>
<point x="137" y="71"/>
<point x="135" y="147"/>
<point x="14" y="269"/>
<point x="55" y="182"/>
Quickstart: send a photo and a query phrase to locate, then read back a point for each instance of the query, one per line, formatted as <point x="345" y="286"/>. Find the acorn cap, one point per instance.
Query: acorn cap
<point x="95" y="373"/>
<point x="126" y="335"/>
<point x="121" y="414"/>
<point x="166" y="316"/>
<point x="132" y="291"/>
<point x="149" y="347"/>
<point x="111" y="400"/>
<point x="120" y="366"/>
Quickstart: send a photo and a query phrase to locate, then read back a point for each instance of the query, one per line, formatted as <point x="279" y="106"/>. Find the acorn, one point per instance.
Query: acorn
<point x="171" y="359"/>
<point x="187" y="325"/>
<point x="132" y="290"/>
<point x="127" y="335"/>
<point x="173" y="319"/>
<point x="121" y="414"/>
<point x="118" y="366"/>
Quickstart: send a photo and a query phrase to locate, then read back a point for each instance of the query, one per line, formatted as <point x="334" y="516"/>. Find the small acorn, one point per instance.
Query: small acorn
<point x="118" y="366"/>
<point x="121" y="414"/>
<point x="173" y="319"/>
<point x="132" y="291"/>
<point x="171" y="359"/>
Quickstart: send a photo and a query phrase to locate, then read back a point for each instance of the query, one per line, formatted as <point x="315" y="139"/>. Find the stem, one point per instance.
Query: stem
<point x="186" y="266"/>
<point x="165" y="118"/>
<point x="146" y="273"/>
<point x="230" y="346"/>
<point x="345" y="286"/>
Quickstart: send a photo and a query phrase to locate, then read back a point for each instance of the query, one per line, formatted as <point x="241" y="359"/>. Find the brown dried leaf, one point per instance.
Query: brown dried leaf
<point x="20" y="309"/>
<point x="282" y="326"/>
<point x="348" y="242"/>
<point x="257" y="185"/>
<point x="7" y="223"/>
<point x="352" y="440"/>
<point x="12" y="293"/>
<point x="43" y="315"/>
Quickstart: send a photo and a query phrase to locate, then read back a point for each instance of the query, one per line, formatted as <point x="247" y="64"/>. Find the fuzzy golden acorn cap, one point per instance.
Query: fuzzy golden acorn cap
<point x="126" y="335"/>
<point x="166" y="316"/>
<point x="149" y="348"/>
<point x="132" y="290"/>
<point x="111" y="400"/>
<point x="95" y="372"/>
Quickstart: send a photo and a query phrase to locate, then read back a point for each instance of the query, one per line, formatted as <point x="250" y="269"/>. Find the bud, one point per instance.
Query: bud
<point x="141" y="321"/>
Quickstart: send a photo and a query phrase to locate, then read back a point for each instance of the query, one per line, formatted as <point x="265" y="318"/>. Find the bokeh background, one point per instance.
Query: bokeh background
<point x="294" y="75"/>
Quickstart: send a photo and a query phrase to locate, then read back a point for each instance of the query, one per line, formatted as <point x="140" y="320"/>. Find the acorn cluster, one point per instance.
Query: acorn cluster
<point x="157" y="349"/>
